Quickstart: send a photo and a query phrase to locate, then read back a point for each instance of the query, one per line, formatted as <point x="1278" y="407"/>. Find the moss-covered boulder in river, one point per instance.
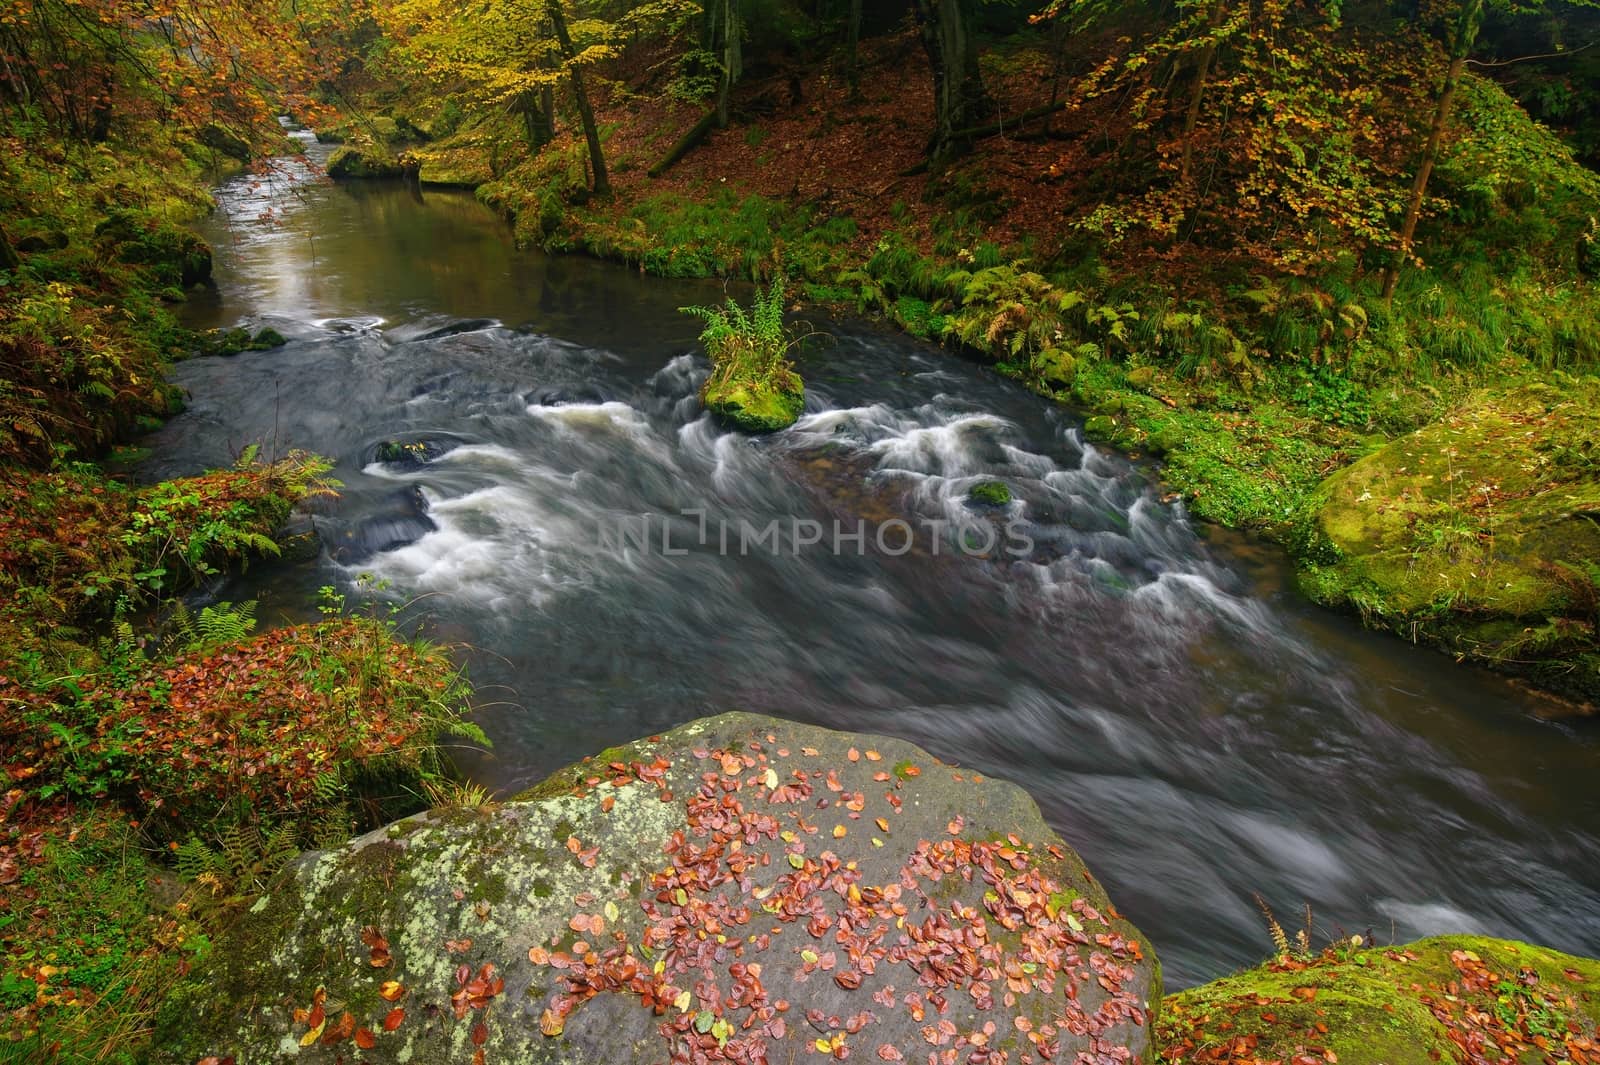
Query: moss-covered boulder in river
<point x="1449" y="999"/>
<point x="1480" y="532"/>
<point x="740" y="889"/>
<point x="352" y="163"/>
<point x="752" y="386"/>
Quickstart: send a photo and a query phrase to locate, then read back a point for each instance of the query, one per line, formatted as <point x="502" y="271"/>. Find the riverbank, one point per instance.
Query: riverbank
<point x="1254" y="381"/>
<point x="157" y="761"/>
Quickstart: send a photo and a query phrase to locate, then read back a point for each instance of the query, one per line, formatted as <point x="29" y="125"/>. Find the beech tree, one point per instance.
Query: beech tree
<point x="959" y="98"/>
<point x="83" y="64"/>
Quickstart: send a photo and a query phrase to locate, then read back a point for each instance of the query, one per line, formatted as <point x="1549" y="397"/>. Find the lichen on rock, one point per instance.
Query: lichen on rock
<point x="740" y="889"/>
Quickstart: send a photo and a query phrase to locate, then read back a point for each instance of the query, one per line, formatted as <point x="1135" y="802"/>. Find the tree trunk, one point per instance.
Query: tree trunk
<point x="696" y="134"/>
<point x="591" y="132"/>
<point x="1058" y="64"/>
<point x="853" y="37"/>
<point x="1466" y="34"/>
<point x="958" y="94"/>
<point x="8" y="254"/>
<point x="538" y="117"/>
<point x="1197" y="96"/>
<point x="725" y="37"/>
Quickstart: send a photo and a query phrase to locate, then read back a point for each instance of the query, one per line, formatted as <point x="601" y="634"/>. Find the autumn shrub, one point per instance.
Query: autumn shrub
<point x="75" y="544"/>
<point x="327" y="727"/>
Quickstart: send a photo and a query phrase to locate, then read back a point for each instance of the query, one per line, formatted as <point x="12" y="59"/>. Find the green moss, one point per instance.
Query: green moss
<point x="266" y="340"/>
<point x="1382" y="1006"/>
<point x="1474" y="531"/>
<point x="351" y="163"/>
<point x="754" y="406"/>
<point x="990" y="493"/>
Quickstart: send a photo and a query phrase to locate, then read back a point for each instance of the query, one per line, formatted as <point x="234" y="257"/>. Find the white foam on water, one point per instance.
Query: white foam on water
<point x="937" y="449"/>
<point x="1431" y="918"/>
<point x="611" y="416"/>
<point x="1173" y="597"/>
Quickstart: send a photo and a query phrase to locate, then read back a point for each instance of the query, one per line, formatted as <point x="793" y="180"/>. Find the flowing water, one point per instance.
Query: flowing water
<point x="1187" y="723"/>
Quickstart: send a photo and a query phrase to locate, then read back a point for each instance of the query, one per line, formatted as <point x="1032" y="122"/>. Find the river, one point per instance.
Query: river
<point x="1192" y="727"/>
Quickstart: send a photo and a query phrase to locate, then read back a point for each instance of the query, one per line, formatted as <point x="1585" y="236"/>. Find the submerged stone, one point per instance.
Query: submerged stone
<point x="402" y="520"/>
<point x="740" y="889"/>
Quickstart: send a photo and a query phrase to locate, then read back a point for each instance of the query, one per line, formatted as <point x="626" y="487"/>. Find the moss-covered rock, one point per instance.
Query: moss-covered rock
<point x="990" y="493"/>
<point x="1415" y="1005"/>
<point x="354" y="163"/>
<point x="465" y="159"/>
<point x="761" y="888"/>
<point x="755" y="406"/>
<point x="173" y="254"/>
<point x="238" y="339"/>
<point x="1481" y="532"/>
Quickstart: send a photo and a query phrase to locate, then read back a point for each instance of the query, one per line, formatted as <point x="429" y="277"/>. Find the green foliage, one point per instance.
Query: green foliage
<point x="990" y="493"/>
<point x="752" y="381"/>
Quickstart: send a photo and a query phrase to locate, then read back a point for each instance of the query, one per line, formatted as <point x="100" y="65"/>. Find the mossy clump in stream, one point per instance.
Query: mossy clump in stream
<point x="1414" y="1005"/>
<point x="239" y="339"/>
<point x="753" y="386"/>
<point x="1479" y="532"/>
<point x="990" y="493"/>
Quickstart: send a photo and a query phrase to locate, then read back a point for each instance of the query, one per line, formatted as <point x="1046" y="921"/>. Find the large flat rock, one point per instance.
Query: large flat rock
<point x="741" y="889"/>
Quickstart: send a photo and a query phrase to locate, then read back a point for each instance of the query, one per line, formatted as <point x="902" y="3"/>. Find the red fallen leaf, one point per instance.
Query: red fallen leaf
<point x="392" y="1019"/>
<point x="340" y="1030"/>
<point x="391" y="990"/>
<point x="457" y="946"/>
<point x="480" y="1034"/>
<point x="365" y="1039"/>
<point x="214" y="1060"/>
<point x="853" y="754"/>
<point x="1304" y="994"/>
<point x="889" y="1052"/>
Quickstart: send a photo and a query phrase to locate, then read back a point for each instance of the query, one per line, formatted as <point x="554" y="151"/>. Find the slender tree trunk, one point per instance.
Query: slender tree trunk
<point x="726" y="34"/>
<point x="1197" y="96"/>
<point x="1058" y="64"/>
<point x="958" y="93"/>
<point x="8" y="254"/>
<point x="853" y="45"/>
<point x="538" y="117"/>
<point x="1466" y="34"/>
<point x="591" y="132"/>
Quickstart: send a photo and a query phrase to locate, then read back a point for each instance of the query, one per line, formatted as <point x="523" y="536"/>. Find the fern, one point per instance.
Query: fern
<point x="236" y="866"/>
<point x="225" y="623"/>
<point x="1280" y="940"/>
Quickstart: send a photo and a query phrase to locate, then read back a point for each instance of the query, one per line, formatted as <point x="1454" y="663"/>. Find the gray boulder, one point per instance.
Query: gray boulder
<point x="741" y="889"/>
